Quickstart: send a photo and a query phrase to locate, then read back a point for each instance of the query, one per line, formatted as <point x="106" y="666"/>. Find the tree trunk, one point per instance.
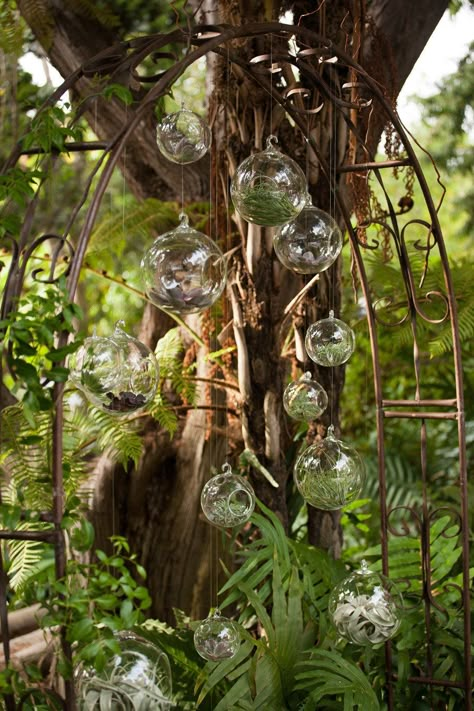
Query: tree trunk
<point x="157" y="506"/>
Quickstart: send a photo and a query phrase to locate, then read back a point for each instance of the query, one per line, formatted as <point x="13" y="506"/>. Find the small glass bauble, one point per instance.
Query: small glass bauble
<point x="227" y="499"/>
<point x="118" y="374"/>
<point x="329" y="474"/>
<point x="330" y="342"/>
<point x="137" y="677"/>
<point x="184" y="270"/>
<point x="305" y="399"/>
<point x="310" y="243"/>
<point x="183" y="137"/>
<point x="366" y="607"/>
<point x="268" y="188"/>
<point x="217" y="638"/>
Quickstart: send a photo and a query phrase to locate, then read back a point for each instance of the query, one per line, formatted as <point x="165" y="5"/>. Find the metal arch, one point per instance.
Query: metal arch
<point x="212" y="38"/>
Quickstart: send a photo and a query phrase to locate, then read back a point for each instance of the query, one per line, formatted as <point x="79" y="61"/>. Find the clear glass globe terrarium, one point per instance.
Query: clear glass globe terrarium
<point x="227" y="500"/>
<point x="329" y="474"/>
<point x="330" y="341"/>
<point x="310" y="243"/>
<point x="305" y="399"/>
<point x="183" y="137"/>
<point x="217" y="638"/>
<point x="366" y="607"/>
<point x="136" y="677"/>
<point x="268" y="188"/>
<point x="184" y="271"/>
<point x="119" y="373"/>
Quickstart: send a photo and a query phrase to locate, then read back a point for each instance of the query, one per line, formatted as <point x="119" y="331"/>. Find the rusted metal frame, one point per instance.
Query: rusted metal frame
<point x="433" y="682"/>
<point x="8" y="698"/>
<point x="41" y="536"/>
<point x="425" y="554"/>
<point x="371" y="165"/>
<point x="72" y="147"/>
<point x="422" y="415"/>
<point x="420" y="403"/>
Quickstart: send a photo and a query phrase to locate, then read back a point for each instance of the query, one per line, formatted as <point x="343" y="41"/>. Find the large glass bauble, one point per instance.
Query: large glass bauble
<point x="268" y="188"/>
<point x="118" y="374"/>
<point x="329" y="474"/>
<point x="136" y="677"/>
<point x="305" y="399"/>
<point x="310" y="243"/>
<point x="183" y="137"/>
<point x="366" y="607"/>
<point x="184" y="271"/>
<point x="227" y="500"/>
<point x="217" y="638"/>
<point x="330" y="341"/>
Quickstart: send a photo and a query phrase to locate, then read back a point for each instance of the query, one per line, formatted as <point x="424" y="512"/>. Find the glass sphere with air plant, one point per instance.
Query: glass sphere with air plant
<point x="227" y="500"/>
<point x="366" y="607"/>
<point x="268" y="188"/>
<point x="305" y="399"/>
<point x="138" y="676"/>
<point x="330" y="473"/>
<point x="216" y="638"/>
<point x="183" y="137"/>
<point x="330" y="341"/>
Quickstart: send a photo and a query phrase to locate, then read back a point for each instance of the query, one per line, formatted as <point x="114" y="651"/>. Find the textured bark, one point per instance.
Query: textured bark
<point x="157" y="506"/>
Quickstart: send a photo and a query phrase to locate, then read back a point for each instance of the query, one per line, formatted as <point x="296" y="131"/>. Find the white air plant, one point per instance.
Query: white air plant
<point x="366" y="608"/>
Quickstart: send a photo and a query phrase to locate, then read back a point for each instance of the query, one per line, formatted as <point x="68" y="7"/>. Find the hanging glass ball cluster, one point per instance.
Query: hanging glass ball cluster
<point x="305" y="399"/>
<point x="217" y="638"/>
<point x="310" y="243"/>
<point x="136" y="677"/>
<point x="119" y="374"/>
<point x="329" y="474"/>
<point x="330" y="341"/>
<point x="366" y="608"/>
<point x="227" y="500"/>
<point x="184" y="271"/>
<point x="183" y="137"/>
<point x="268" y="188"/>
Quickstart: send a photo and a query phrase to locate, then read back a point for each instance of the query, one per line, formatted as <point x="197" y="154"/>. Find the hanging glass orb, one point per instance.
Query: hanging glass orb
<point x="217" y="638"/>
<point x="268" y="188"/>
<point x="183" y="137"/>
<point x="305" y="399"/>
<point x="330" y="342"/>
<point x="184" y="271"/>
<point x="310" y="243"/>
<point x="366" y="607"/>
<point x="136" y="677"/>
<point x="227" y="499"/>
<point x="329" y="474"/>
<point x="118" y="374"/>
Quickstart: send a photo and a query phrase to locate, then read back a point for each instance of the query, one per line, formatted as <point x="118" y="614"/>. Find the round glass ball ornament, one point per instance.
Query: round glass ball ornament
<point x="119" y="373"/>
<point x="268" y="188"/>
<point x="217" y="638"/>
<point x="227" y="500"/>
<point x="366" y="607"/>
<point x="329" y="474"/>
<point x="310" y="243"/>
<point x="184" y="271"/>
<point x="138" y="676"/>
<point x="330" y="341"/>
<point x="305" y="399"/>
<point x="183" y="137"/>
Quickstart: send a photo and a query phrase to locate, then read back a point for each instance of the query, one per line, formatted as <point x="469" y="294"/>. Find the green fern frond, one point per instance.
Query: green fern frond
<point x="23" y="557"/>
<point x="117" y="437"/>
<point x="11" y="37"/>
<point x="163" y="414"/>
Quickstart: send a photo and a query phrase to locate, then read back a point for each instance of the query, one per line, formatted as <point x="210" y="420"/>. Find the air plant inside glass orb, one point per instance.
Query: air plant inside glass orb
<point x="217" y="638"/>
<point x="183" y="137"/>
<point x="310" y="243"/>
<point x="227" y="500"/>
<point x="184" y="271"/>
<point x="366" y="607"/>
<point x="329" y="474"/>
<point x="268" y="188"/>
<point x="118" y="373"/>
<point x="305" y="399"/>
<point x="330" y="341"/>
<point x="137" y="678"/>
